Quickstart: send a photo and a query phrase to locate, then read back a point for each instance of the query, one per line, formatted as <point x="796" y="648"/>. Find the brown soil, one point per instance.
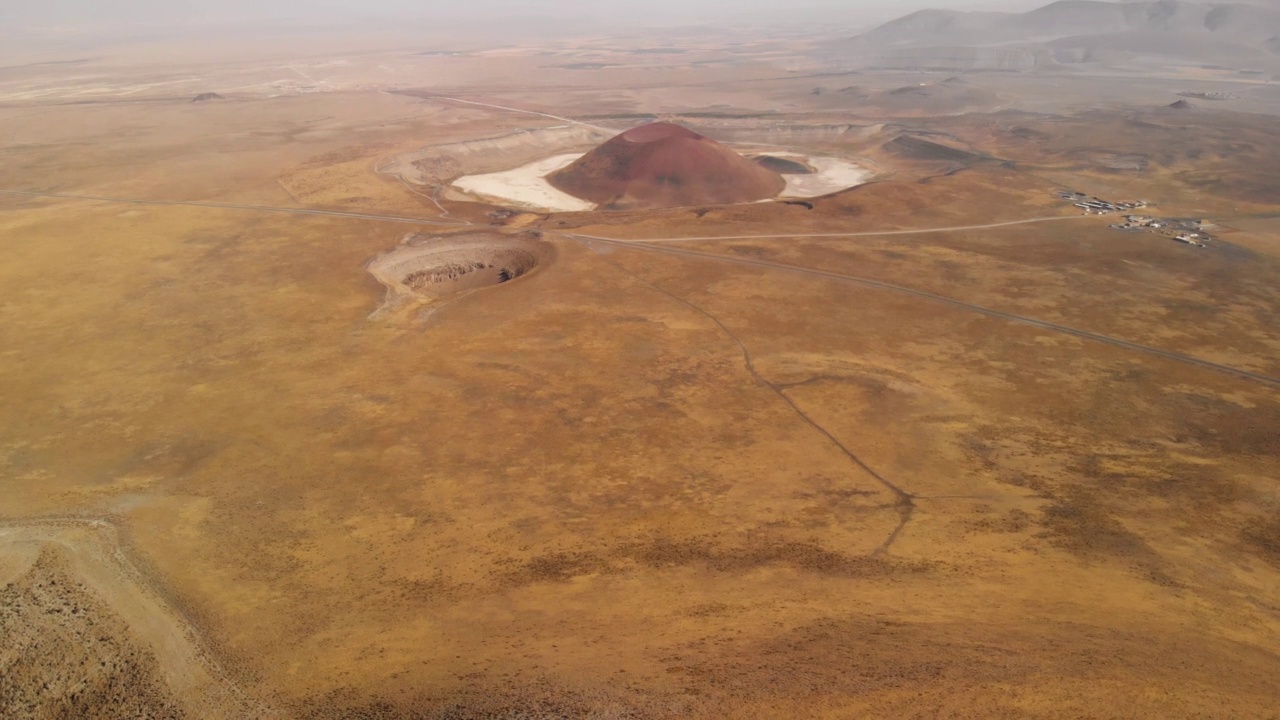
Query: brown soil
<point x="665" y="165"/>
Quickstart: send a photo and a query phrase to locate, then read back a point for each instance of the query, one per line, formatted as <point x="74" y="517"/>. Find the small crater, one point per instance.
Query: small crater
<point x="431" y="268"/>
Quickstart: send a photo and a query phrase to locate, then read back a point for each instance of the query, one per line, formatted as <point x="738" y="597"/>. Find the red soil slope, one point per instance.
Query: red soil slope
<point x="665" y="165"/>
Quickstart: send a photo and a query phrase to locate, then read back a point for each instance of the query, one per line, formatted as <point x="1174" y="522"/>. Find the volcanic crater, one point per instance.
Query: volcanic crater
<point x="665" y="165"/>
<point x="431" y="268"/>
<point x="656" y="165"/>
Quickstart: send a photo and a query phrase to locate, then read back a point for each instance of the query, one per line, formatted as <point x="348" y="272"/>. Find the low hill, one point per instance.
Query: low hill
<point x="918" y="148"/>
<point x="665" y="165"/>
<point x="951" y="96"/>
<point x="1070" y="32"/>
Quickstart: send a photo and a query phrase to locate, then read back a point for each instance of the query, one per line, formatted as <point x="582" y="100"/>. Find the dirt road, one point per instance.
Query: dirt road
<point x="868" y="282"/>
<point x="872" y="233"/>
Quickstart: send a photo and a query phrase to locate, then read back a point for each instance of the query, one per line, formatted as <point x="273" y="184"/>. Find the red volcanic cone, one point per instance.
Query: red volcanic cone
<point x="665" y="165"/>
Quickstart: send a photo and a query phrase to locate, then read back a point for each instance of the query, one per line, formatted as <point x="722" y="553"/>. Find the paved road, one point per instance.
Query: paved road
<point x="228" y="206"/>
<point x="871" y="233"/>
<point x="868" y="282"/>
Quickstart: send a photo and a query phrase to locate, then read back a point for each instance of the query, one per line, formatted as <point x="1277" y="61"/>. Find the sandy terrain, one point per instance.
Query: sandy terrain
<point x="833" y="175"/>
<point x="526" y="186"/>
<point x="788" y="469"/>
<point x="437" y="163"/>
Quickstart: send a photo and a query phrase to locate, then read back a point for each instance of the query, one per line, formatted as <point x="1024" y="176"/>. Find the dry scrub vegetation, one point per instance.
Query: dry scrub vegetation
<point x="689" y="479"/>
<point x="66" y="656"/>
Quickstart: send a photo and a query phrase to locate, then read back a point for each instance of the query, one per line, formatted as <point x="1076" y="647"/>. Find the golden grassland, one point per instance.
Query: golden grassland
<point x="629" y="484"/>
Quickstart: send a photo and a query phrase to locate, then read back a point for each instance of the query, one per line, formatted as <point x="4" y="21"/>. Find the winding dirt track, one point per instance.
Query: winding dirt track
<point x="904" y="501"/>
<point x="868" y="282"/>
<point x="100" y="560"/>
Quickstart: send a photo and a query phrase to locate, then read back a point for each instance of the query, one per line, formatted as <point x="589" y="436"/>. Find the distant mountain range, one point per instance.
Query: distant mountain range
<point x="1073" y="33"/>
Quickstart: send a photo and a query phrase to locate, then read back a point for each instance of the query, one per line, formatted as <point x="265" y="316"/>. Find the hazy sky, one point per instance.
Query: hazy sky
<point x="75" y="13"/>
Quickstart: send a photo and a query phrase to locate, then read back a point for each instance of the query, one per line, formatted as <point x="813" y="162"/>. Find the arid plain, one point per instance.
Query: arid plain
<point x="937" y="445"/>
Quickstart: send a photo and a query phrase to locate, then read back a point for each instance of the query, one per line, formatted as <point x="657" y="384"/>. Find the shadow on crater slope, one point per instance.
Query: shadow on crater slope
<point x="433" y="268"/>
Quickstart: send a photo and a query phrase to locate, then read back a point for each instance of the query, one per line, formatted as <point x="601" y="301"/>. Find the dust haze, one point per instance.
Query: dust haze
<point x="88" y="13"/>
